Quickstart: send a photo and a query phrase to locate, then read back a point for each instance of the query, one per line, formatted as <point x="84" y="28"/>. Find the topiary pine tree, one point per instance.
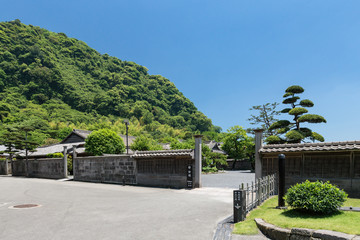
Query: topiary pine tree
<point x="292" y="131"/>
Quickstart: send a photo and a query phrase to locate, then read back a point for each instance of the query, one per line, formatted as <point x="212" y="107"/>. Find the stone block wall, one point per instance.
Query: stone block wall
<point x="105" y="169"/>
<point x="239" y="165"/>
<point x="52" y="168"/>
<point x="3" y="167"/>
<point x="18" y="168"/>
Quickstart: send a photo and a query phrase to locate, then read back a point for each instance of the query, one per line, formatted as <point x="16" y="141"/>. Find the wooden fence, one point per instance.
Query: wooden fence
<point x="252" y="195"/>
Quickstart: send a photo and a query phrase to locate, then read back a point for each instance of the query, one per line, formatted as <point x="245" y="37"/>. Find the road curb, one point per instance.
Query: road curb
<point x="224" y="229"/>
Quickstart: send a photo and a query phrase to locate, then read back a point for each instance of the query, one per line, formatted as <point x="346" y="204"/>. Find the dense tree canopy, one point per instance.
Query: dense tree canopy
<point x="238" y="144"/>
<point x="144" y="143"/>
<point x="292" y="131"/>
<point x="55" y="82"/>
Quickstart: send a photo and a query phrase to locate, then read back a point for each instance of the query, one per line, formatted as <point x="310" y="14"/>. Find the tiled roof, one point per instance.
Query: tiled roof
<point x="215" y="146"/>
<point x="83" y="133"/>
<point x="55" y="148"/>
<point x="164" y="153"/>
<point x="308" y="147"/>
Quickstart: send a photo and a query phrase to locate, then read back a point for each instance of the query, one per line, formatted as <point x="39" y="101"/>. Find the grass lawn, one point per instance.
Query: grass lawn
<point x="346" y="222"/>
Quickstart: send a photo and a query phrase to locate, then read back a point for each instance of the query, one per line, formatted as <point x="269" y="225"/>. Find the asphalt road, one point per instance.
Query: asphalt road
<point x="78" y="210"/>
<point x="228" y="179"/>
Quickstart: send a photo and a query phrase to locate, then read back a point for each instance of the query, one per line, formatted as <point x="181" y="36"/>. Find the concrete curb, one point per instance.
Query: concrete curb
<point x="274" y="232"/>
<point x="224" y="229"/>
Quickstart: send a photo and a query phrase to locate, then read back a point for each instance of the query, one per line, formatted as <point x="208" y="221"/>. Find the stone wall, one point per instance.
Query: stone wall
<point x="340" y="168"/>
<point x="277" y="233"/>
<point x="239" y="165"/>
<point x="3" y="167"/>
<point x="18" y="168"/>
<point x="106" y="169"/>
<point x="52" y="168"/>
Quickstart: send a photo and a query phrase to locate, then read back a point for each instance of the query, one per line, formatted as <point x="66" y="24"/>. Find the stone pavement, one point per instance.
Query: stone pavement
<point x="225" y="228"/>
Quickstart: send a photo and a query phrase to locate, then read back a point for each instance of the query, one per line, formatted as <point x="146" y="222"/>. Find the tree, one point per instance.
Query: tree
<point x="27" y="144"/>
<point x="209" y="159"/>
<point x="292" y="131"/>
<point x="237" y="144"/>
<point x="104" y="141"/>
<point x="14" y="141"/>
<point x="266" y="117"/>
<point x="144" y="143"/>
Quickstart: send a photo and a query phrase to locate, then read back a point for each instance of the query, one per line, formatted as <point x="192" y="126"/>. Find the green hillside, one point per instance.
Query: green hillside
<point x="54" y="83"/>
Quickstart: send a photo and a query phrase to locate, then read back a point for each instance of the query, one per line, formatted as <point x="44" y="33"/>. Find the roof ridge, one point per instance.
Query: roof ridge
<point x="319" y="146"/>
<point x="311" y="144"/>
<point x="166" y="151"/>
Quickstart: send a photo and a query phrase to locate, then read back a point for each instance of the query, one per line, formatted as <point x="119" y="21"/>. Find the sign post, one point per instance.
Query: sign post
<point x="189" y="176"/>
<point x="239" y="205"/>
<point x="281" y="202"/>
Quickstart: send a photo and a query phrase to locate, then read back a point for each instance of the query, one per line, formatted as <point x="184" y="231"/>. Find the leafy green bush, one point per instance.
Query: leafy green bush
<point x="70" y="164"/>
<point x="209" y="169"/>
<point x="317" y="197"/>
<point x="144" y="143"/>
<point x="55" y="155"/>
<point x="104" y="141"/>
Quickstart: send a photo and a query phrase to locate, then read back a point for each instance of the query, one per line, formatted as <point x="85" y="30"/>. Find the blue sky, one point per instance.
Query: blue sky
<point x="226" y="56"/>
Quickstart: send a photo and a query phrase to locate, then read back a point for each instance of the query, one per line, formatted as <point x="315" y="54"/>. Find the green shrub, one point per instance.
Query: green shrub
<point x="209" y="169"/>
<point x="55" y="155"/>
<point x="70" y="164"/>
<point x="144" y="143"/>
<point x="317" y="197"/>
<point x="104" y="141"/>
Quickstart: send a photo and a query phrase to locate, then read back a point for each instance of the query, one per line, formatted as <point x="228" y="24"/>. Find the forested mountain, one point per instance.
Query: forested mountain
<point x="53" y="83"/>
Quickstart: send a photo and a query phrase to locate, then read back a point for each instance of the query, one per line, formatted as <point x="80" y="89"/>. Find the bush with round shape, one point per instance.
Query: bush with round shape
<point x="104" y="141"/>
<point x="317" y="197"/>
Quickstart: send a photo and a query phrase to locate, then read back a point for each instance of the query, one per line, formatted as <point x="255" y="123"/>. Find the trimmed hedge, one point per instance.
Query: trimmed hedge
<point x="317" y="197"/>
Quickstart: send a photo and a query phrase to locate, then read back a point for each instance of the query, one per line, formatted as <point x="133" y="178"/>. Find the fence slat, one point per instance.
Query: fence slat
<point x="258" y="192"/>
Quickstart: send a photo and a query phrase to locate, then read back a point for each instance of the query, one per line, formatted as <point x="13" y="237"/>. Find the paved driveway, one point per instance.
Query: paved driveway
<point x="228" y="179"/>
<point x="77" y="210"/>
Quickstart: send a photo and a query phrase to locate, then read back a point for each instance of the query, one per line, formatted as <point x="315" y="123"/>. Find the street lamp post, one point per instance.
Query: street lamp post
<point x="126" y="121"/>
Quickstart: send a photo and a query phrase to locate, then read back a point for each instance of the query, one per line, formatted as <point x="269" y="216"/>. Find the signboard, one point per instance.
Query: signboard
<point x="239" y="205"/>
<point x="189" y="176"/>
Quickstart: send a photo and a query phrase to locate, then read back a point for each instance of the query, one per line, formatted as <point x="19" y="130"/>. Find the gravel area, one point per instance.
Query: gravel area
<point x="227" y="179"/>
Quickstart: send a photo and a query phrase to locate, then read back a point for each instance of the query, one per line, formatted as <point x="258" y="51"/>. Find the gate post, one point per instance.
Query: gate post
<point x="198" y="167"/>
<point x="258" y="145"/>
<point x="65" y="162"/>
<point x="73" y="160"/>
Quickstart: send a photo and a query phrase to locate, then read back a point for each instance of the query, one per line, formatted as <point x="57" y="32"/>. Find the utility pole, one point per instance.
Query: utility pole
<point x="126" y="121"/>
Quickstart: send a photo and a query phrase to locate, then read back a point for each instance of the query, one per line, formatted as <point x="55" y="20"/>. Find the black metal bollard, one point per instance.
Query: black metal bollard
<point x="281" y="202"/>
<point x="239" y="205"/>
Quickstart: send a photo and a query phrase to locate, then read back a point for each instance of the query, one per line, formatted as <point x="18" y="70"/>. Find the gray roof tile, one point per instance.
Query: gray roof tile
<point x="303" y="147"/>
<point x="164" y="153"/>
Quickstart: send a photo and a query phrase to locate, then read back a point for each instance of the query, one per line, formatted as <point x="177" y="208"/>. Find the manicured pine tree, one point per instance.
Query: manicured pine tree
<point x="292" y="132"/>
